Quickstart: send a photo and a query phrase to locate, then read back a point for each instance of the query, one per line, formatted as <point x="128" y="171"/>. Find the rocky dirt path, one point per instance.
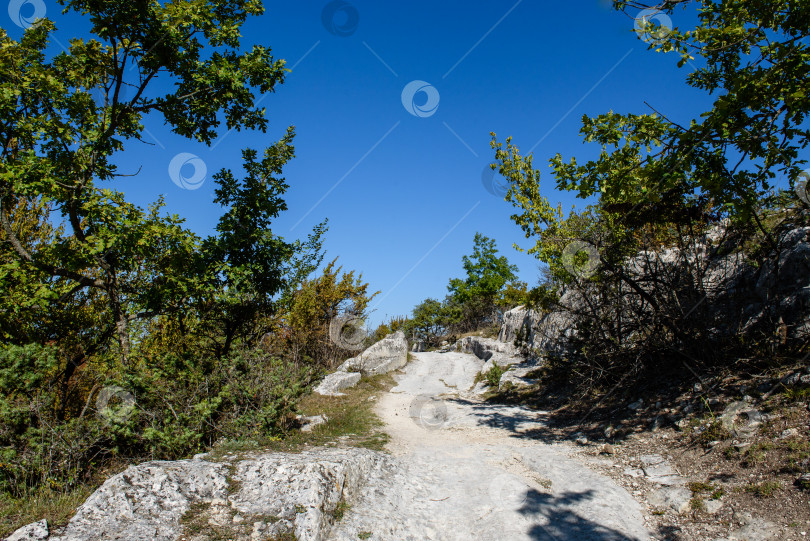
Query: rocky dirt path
<point x="464" y="470"/>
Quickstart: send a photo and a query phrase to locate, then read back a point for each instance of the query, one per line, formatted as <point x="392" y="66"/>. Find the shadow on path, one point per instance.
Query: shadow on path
<point x="563" y="522"/>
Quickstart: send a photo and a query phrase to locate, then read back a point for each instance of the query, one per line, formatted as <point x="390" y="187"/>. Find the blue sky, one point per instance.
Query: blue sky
<point x="404" y="193"/>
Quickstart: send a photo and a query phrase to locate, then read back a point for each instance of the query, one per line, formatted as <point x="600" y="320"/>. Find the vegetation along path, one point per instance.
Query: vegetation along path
<point x="470" y="470"/>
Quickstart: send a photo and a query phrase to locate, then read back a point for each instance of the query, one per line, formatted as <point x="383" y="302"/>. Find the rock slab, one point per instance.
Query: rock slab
<point x="388" y="354"/>
<point x="261" y="496"/>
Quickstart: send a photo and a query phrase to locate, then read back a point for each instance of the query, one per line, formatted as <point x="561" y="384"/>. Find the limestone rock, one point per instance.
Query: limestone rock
<point x="388" y="354"/>
<point x="33" y="532"/>
<point x="484" y="348"/>
<point x="660" y="471"/>
<point x="674" y="498"/>
<point x="308" y="424"/>
<point x="333" y="383"/>
<point x="262" y="496"/>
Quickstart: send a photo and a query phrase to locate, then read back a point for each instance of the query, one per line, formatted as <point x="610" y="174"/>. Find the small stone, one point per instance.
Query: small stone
<point x="607" y="449"/>
<point x="789" y="433"/>
<point x="582" y="440"/>
<point x="713" y="507"/>
<point x="698" y="387"/>
<point x="636" y="405"/>
<point x="674" y="498"/>
<point x="714" y="443"/>
<point x="803" y="482"/>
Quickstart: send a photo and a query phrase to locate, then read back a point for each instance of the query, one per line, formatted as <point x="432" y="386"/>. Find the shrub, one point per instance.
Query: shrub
<point x="166" y="408"/>
<point x="493" y="375"/>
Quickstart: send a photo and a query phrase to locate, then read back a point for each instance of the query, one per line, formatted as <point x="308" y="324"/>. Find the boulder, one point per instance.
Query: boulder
<point x="484" y="348"/>
<point x="35" y="531"/>
<point x="262" y="496"/>
<point x="388" y="354"/>
<point x="335" y="382"/>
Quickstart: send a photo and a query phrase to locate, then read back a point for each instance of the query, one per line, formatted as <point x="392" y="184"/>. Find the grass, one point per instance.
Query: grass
<point x="351" y="421"/>
<point x="364" y="535"/>
<point x="493" y="375"/>
<point x="715" y="431"/>
<point x="56" y="507"/>
<point x="340" y="510"/>
<point x="765" y="489"/>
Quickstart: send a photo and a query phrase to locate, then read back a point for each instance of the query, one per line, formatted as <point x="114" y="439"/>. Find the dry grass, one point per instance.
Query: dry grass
<point x="56" y="507"/>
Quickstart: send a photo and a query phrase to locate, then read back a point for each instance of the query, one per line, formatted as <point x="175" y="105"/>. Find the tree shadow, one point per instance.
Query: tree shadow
<point x="564" y="523"/>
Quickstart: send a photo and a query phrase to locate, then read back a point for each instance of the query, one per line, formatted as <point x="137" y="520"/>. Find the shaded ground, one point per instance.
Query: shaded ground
<point x="733" y="477"/>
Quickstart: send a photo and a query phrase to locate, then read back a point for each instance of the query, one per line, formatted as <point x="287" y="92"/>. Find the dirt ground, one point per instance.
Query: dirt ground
<point x="741" y="468"/>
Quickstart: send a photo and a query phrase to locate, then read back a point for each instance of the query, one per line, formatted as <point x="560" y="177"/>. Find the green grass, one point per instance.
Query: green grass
<point x="351" y="420"/>
<point x="56" y="507"/>
<point x="698" y="487"/>
<point x="340" y="510"/>
<point x="765" y="489"/>
<point x="364" y="535"/>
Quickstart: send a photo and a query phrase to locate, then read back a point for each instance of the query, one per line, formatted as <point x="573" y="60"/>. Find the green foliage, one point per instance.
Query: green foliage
<point x="766" y="489"/>
<point x="110" y="263"/>
<point x="657" y="183"/>
<point x="487" y="273"/>
<point x="428" y="322"/>
<point x="399" y="323"/>
<point x="182" y="405"/>
<point x="493" y="375"/>
<point x="473" y="301"/>
<point x="302" y="330"/>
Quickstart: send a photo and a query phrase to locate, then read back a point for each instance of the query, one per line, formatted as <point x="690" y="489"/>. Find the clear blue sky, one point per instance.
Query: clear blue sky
<point x="404" y="193"/>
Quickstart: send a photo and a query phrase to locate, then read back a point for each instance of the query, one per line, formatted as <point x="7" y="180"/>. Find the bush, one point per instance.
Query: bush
<point x="167" y="408"/>
<point x="493" y="375"/>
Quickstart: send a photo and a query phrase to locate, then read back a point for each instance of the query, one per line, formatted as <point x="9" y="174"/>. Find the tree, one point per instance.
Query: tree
<point x="429" y="320"/>
<point x="58" y="149"/>
<point x="652" y="171"/>
<point x="659" y="183"/>
<point x="302" y="328"/>
<point x="476" y="296"/>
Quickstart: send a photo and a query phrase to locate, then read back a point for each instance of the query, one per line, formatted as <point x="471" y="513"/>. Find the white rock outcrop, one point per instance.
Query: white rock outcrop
<point x="333" y="383"/>
<point x="260" y="496"/>
<point x="388" y="354"/>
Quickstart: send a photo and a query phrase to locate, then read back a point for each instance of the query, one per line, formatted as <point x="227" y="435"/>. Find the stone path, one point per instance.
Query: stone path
<point x="465" y="470"/>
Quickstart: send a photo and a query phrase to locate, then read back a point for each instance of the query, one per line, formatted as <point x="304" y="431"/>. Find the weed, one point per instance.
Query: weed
<point x="765" y="489"/>
<point x="340" y="510"/>
<point x="698" y="487"/>
<point x="717" y="493"/>
<point x="364" y="535"/>
<point x="696" y="504"/>
<point x="714" y="431"/>
<point x="493" y="375"/>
